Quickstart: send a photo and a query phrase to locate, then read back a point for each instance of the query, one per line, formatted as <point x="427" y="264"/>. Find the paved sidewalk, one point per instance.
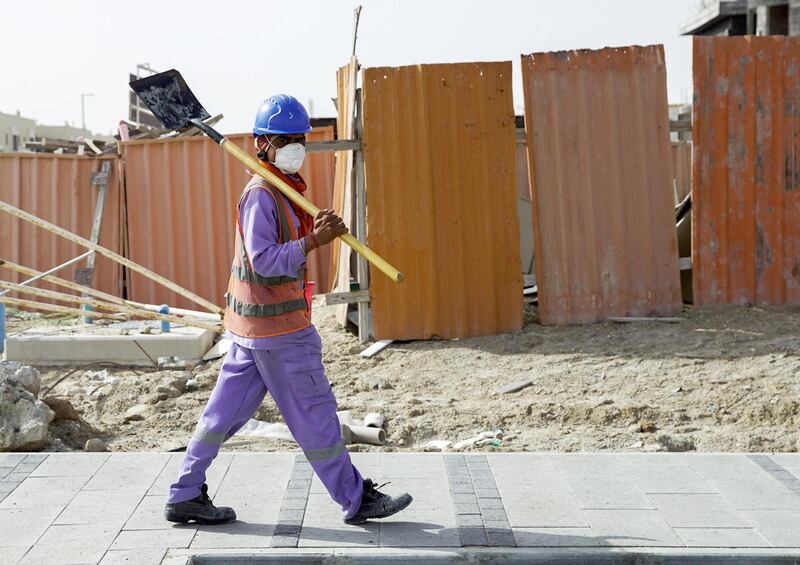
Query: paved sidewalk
<point x="65" y="508"/>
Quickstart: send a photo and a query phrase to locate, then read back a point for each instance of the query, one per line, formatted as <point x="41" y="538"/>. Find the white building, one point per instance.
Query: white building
<point x="15" y="130"/>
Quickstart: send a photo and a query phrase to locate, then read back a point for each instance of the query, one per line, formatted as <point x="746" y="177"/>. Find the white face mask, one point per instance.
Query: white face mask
<point x="289" y="158"/>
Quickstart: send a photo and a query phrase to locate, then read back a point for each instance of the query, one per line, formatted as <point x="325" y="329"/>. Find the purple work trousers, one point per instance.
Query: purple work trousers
<point x="295" y="378"/>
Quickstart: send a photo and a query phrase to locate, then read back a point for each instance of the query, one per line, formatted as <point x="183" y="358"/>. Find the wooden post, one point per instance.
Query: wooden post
<point x="362" y="269"/>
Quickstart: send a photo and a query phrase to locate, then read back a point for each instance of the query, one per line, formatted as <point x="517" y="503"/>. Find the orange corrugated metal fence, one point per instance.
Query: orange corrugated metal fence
<point x="439" y="152"/>
<point x="746" y="197"/>
<point x="181" y="201"/>
<point x="58" y="189"/>
<point x="601" y="183"/>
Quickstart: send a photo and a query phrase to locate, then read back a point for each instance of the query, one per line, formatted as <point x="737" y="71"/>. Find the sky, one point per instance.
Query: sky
<point x="233" y="54"/>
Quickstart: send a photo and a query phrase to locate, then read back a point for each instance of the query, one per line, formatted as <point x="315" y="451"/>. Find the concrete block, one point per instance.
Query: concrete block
<point x="721" y="537"/>
<point x="342" y="536"/>
<point x="71" y="465"/>
<point x="131" y="556"/>
<point x="543" y="511"/>
<point x="487" y="493"/>
<point x="697" y="511"/>
<point x="631" y="528"/>
<point x="282" y="541"/>
<point x="472" y="537"/>
<point x="781" y="528"/>
<point x="555" y="537"/>
<point x="469" y="520"/>
<point x="467" y="508"/>
<point x="103" y="507"/>
<point x="69" y="346"/>
<point x="155" y="539"/>
<point x="237" y="534"/>
<point x="462" y="488"/>
<point x="405" y="534"/>
<point x="22" y="527"/>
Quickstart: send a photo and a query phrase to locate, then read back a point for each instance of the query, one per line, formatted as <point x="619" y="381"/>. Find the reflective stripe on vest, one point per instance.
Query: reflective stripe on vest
<point x="264" y="310"/>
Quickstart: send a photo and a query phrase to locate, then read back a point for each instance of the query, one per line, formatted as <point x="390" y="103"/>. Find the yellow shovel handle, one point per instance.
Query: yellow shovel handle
<point x="309" y="207"/>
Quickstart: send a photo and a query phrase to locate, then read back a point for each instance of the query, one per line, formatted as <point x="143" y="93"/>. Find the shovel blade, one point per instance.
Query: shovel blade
<point x="170" y="99"/>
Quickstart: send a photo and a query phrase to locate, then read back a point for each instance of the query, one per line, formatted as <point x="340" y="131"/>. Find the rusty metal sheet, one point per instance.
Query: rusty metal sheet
<point x="439" y="151"/>
<point x="181" y="196"/>
<point x="58" y="188"/>
<point x="746" y="197"/>
<point x="682" y="168"/>
<point x="601" y="182"/>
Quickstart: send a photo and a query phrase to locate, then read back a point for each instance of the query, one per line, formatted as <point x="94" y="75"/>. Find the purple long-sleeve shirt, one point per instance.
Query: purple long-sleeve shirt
<point x="259" y="220"/>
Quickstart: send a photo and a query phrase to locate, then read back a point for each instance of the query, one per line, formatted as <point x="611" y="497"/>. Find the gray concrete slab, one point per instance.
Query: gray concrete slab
<point x="721" y="537"/>
<point x="66" y="346"/>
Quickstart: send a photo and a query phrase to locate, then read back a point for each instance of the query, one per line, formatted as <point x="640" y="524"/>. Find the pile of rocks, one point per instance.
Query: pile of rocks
<point x="24" y="418"/>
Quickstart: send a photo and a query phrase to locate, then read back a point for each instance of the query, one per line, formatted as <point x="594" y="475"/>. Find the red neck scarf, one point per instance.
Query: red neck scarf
<point x="296" y="182"/>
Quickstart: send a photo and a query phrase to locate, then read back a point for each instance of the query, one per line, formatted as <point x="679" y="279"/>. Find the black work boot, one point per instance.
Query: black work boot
<point x="375" y="504"/>
<point x="200" y="509"/>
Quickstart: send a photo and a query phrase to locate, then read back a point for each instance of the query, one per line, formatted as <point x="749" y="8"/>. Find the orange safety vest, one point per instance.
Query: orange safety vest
<point x="260" y="306"/>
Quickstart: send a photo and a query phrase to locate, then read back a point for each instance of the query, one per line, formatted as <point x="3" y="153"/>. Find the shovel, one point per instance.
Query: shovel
<point x="171" y="101"/>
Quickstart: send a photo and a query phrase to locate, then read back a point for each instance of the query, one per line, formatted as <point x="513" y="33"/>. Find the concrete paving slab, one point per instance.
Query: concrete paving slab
<point x="341" y="536"/>
<point x="14" y="554"/>
<point x="555" y="537"/>
<point x="412" y="465"/>
<point x="417" y="533"/>
<point x="44" y="492"/>
<point x="697" y="511"/>
<point x="237" y="534"/>
<point x="71" y="544"/>
<point x="658" y="474"/>
<point x="131" y="471"/>
<point x="177" y="536"/>
<point x="99" y="507"/>
<point x="11" y="459"/>
<point x="22" y="527"/>
<point x="134" y="557"/>
<point x="71" y="465"/>
<point x="779" y="527"/>
<point x="54" y="555"/>
<point x="544" y="511"/>
<point x="631" y="528"/>
<point x="721" y="537"/>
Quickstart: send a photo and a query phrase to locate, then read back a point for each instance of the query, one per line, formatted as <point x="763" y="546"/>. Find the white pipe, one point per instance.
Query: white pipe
<point x="363" y="434"/>
<point x="181" y="311"/>
<point x="374" y="420"/>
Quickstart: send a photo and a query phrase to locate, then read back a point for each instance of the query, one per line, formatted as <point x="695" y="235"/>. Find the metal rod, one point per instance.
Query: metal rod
<point x="51" y="271"/>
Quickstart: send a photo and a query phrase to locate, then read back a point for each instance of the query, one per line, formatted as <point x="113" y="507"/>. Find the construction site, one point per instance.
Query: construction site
<point x="571" y="330"/>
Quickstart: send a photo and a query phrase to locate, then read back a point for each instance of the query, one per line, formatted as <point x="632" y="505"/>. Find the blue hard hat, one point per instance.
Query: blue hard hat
<point x="281" y="113"/>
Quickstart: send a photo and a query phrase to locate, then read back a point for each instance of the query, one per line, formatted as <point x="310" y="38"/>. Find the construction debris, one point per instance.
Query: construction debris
<point x="514" y="387"/>
<point x="24" y="419"/>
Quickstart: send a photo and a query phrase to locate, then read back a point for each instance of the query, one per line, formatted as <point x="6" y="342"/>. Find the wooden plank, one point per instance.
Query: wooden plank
<point x="362" y="270"/>
<point x="347" y="209"/>
<point x="346" y="297"/>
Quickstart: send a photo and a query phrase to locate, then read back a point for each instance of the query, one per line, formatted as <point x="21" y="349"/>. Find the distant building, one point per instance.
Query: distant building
<point x="16" y="130"/>
<point x="745" y="17"/>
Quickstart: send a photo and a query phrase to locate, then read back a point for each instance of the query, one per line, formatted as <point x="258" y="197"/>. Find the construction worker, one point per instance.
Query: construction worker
<point x="275" y="347"/>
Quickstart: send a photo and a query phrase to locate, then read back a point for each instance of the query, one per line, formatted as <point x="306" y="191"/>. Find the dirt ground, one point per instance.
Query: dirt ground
<point x="724" y="379"/>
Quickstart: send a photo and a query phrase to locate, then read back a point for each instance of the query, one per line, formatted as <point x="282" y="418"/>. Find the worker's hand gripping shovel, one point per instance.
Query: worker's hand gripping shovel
<point x="171" y="101"/>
